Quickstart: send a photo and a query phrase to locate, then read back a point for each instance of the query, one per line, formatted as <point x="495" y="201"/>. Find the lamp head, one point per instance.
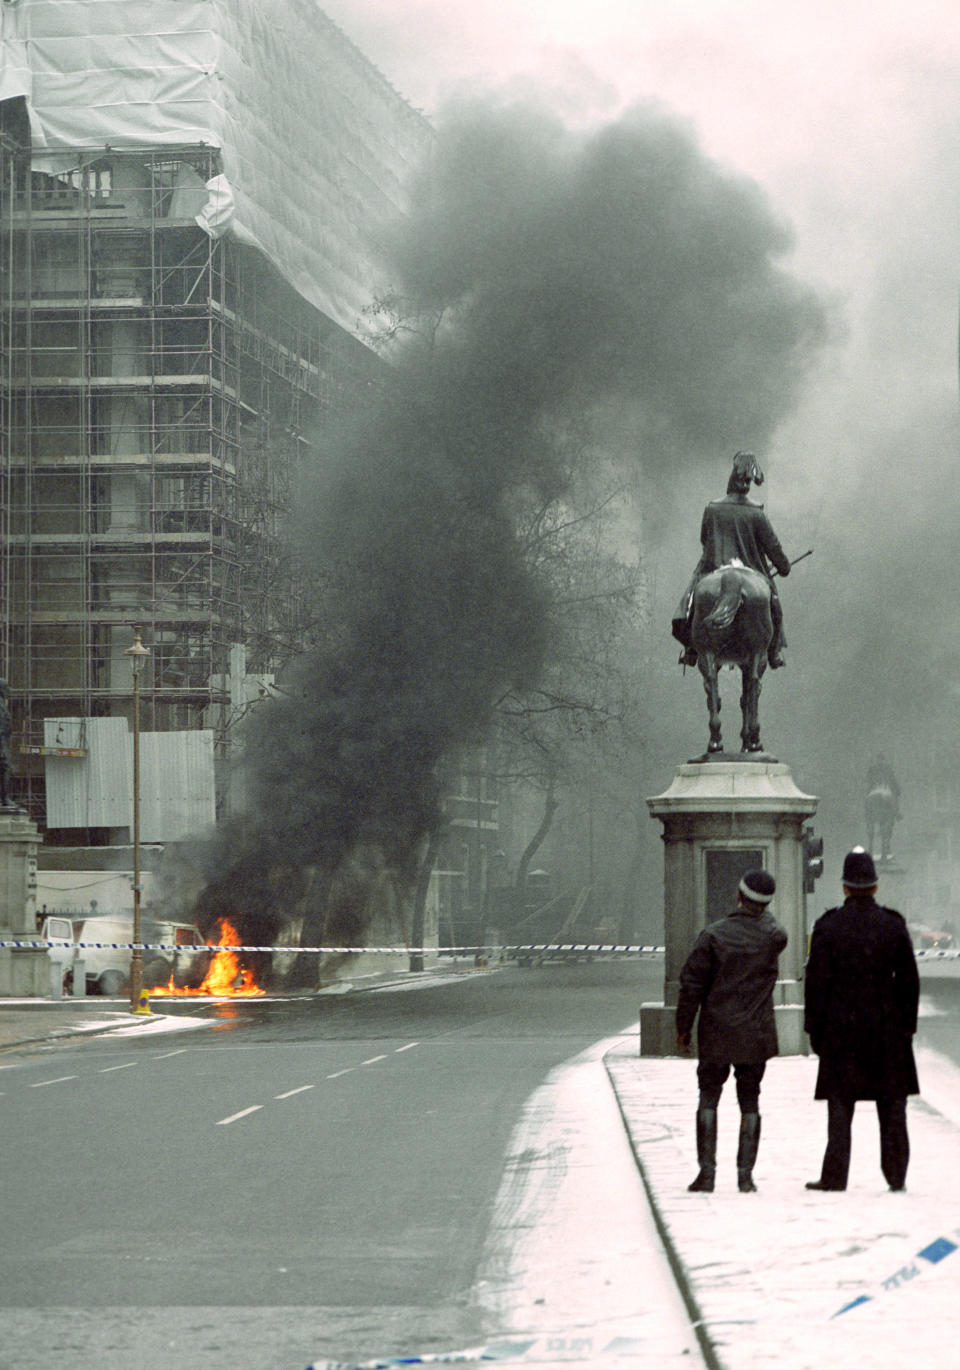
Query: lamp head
<point x="137" y="652"/>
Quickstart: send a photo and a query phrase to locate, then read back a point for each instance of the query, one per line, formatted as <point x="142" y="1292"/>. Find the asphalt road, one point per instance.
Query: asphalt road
<point x="939" y="1024"/>
<point x="303" y="1178"/>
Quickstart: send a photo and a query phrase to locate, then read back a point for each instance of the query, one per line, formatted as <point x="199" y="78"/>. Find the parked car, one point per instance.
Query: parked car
<point x="108" y="967"/>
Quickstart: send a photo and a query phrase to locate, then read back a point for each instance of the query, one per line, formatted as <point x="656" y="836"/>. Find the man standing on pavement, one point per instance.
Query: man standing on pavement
<point x="862" y="991"/>
<point x="729" y="976"/>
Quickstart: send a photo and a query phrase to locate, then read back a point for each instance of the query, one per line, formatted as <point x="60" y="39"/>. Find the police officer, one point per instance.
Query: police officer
<point x="862" y="991"/>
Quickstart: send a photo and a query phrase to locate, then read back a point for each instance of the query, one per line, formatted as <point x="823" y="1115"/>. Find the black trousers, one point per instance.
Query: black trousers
<point x="711" y="1078"/>
<point x="894" y="1142"/>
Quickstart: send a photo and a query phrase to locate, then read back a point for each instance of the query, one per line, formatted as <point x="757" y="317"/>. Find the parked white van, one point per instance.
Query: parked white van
<point x="58" y="932"/>
<point x="108" y="967"/>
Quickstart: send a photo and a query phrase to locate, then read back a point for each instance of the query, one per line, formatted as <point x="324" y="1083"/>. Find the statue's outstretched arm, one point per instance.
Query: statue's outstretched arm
<point x="770" y="546"/>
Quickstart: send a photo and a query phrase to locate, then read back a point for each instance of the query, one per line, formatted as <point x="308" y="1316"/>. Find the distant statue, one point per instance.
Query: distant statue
<point x="882" y="804"/>
<point x="6" y="753"/>
<point x="730" y="613"/>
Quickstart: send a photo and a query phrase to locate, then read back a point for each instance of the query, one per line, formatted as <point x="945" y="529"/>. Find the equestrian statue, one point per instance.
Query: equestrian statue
<point x="882" y="805"/>
<point x="730" y="614"/>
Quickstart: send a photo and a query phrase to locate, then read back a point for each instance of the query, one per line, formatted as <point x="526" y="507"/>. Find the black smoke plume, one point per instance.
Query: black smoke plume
<point x="547" y="281"/>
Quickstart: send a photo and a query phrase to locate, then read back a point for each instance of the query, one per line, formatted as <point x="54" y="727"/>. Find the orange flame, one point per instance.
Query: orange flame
<point x="225" y="976"/>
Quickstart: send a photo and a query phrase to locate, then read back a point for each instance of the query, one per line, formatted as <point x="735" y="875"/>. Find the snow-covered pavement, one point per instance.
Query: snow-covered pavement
<point x="771" y="1272"/>
<point x="573" y="1259"/>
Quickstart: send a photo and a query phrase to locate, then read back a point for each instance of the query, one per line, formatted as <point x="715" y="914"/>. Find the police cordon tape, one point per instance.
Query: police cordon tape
<point x="471" y="949"/>
<point x="40" y="943"/>
<point x="541" y="1349"/>
<point x="933" y="1253"/>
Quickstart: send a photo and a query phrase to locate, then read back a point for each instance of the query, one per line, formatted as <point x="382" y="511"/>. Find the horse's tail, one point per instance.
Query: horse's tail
<point x="728" y="605"/>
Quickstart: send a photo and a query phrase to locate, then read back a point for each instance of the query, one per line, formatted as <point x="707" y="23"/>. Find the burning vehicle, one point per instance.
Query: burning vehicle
<point x="223" y="972"/>
<point x="179" y="959"/>
<point x="107" y="967"/>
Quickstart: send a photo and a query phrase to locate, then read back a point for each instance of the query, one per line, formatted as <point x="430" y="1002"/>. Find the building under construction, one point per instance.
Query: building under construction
<point x="185" y="258"/>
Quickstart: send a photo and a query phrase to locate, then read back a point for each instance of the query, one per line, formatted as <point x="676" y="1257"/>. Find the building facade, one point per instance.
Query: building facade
<point x="168" y="352"/>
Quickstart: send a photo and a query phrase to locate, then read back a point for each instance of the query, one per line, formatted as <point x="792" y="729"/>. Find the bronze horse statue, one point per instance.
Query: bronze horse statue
<point x="732" y="626"/>
<point x="880" y="808"/>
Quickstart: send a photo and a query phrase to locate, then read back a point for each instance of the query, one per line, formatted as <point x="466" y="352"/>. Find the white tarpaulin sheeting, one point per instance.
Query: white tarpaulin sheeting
<point x="316" y="146"/>
<point x="95" y="789"/>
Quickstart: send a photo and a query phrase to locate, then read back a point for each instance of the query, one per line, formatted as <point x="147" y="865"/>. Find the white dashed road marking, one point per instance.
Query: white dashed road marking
<point x="222" y="1122"/>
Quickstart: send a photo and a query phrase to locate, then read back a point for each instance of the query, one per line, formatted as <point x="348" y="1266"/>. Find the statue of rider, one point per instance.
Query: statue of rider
<point x="880" y="776"/>
<point x="735" y="528"/>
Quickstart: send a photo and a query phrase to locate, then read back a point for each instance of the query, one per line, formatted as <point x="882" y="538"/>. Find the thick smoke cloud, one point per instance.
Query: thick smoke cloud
<point x="619" y="266"/>
<point x="615" y="284"/>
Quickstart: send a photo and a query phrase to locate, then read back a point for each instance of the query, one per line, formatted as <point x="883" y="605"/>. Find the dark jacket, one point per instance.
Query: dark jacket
<point x="729" y="976"/>
<point x="736" y="527"/>
<point x="732" y="527"/>
<point x="862" y="990"/>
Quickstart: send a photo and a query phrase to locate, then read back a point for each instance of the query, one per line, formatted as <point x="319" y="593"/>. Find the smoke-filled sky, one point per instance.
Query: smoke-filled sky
<point x="846" y="117"/>
<point x="680" y="229"/>
<point x="607" y="299"/>
<point x="845" y="114"/>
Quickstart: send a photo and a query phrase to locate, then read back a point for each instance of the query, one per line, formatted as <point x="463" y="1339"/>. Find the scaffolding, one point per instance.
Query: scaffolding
<point x="158" y="392"/>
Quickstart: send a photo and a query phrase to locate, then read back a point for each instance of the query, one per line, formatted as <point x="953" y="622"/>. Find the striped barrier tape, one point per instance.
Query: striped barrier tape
<point x="501" y="1351"/>
<point x="40" y="943"/>
<point x="931" y="1254"/>
<point x="622" y="947"/>
<point x="540" y="1349"/>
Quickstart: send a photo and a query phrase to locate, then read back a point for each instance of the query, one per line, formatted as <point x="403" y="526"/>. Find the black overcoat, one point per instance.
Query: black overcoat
<point x="730" y="975"/>
<point x="862" y="991"/>
<point x="735" y="527"/>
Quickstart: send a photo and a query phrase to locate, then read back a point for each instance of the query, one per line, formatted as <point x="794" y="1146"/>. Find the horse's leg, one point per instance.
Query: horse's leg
<point x="708" y="669"/>
<point x="750" y="707"/>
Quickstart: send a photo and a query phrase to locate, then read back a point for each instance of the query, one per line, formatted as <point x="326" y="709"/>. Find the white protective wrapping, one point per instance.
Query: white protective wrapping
<point x="316" y="146"/>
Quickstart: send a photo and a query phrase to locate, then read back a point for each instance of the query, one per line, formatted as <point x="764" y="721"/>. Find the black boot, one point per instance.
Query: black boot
<point x="747" y="1151"/>
<point x="706" y="1151"/>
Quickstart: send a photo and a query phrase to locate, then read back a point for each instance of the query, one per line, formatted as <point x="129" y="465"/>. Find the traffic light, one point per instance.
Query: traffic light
<point x="812" y="860"/>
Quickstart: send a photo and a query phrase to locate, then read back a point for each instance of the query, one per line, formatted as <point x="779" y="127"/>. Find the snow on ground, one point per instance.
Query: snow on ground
<point x="573" y="1257"/>
<point x="63" y="1019"/>
<point x="147" y="1025"/>
<point x="772" y="1270"/>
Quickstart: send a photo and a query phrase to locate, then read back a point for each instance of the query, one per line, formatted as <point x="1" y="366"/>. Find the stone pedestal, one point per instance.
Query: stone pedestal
<point x="23" y="970"/>
<point x="896" y="889"/>
<point x="720" y="818"/>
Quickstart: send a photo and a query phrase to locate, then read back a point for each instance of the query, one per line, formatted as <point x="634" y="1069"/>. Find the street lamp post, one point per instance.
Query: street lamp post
<point x="137" y="653"/>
